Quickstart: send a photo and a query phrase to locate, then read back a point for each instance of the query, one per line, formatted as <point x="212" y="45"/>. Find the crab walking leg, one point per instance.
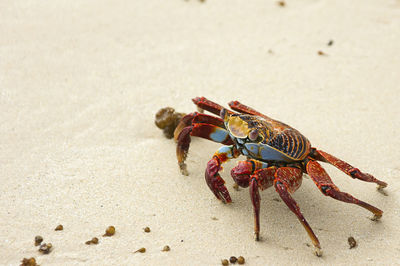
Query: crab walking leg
<point x="255" y="174"/>
<point x="282" y="186"/>
<point x="328" y="188"/>
<point x="208" y="105"/>
<point x="255" y="200"/>
<point x="213" y="179"/>
<point x="262" y="178"/>
<point x="347" y="168"/>
<point x="196" y="117"/>
<point x="239" y="107"/>
<point x="206" y="131"/>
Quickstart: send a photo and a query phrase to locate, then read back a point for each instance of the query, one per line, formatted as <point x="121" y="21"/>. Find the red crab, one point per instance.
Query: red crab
<point x="277" y="155"/>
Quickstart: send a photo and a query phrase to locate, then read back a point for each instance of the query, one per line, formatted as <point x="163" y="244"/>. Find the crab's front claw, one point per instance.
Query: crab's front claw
<point x="215" y="182"/>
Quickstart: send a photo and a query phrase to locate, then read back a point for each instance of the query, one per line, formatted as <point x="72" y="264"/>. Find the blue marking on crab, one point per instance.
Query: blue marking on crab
<point x="240" y="141"/>
<point x="264" y="152"/>
<point x="219" y="135"/>
<point x="227" y="151"/>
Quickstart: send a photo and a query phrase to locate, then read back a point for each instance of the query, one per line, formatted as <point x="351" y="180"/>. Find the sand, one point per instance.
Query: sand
<point x="81" y="81"/>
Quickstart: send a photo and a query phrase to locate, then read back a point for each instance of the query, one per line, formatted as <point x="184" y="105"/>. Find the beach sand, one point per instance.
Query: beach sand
<point x="81" y="81"/>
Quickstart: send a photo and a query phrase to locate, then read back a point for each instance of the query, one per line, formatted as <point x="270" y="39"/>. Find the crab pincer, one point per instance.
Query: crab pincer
<point x="215" y="182"/>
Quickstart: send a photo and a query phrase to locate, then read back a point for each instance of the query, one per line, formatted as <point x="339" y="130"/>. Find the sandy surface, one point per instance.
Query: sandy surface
<point x="80" y="82"/>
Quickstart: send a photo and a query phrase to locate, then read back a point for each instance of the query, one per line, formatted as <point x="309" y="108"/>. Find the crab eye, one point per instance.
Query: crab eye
<point x="253" y="135"/>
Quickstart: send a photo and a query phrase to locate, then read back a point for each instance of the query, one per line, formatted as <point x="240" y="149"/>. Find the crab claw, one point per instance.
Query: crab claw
<point x="215" y="182"/>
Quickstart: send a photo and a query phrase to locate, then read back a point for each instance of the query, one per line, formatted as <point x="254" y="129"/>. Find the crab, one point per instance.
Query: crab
<point x="277" y="155"/>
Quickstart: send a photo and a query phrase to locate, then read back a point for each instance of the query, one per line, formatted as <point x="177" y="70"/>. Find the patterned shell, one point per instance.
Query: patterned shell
<point x="275" y="134"/>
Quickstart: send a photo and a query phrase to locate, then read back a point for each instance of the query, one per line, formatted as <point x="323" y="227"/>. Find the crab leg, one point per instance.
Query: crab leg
<point x="328" y="188"/>
<point x="213" y="179"/>
<point x="255" y="200"/>
<point x="286" y="181"/>
<point x="206" y="131"/>
<point x="255" y="174"/>
<point x="196" y="117"/>
<point x="208" y="105"/>
<point x="347" y="168"/>
<point x="237" y="106"/>
<point x="260" y="177"/>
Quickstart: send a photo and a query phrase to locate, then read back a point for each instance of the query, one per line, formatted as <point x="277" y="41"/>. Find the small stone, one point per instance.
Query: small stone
<point x="147" y="229"/>
<point x="38" y="240"/>
<point x="28" y="262"/>
<point x="281" y="3"/>
<point x="141" y="250"/>
<point x="45" y="248"/>
<point x="225" y="262"/>
<point x="233" y="259"/>
<point x="94" y="241"/>
<point x="59" y="227"/>
<point x="241" y="260"/>
<point x="352" y="242"/>
<point x="110" y="231"/>
<point x="166" y="248"/>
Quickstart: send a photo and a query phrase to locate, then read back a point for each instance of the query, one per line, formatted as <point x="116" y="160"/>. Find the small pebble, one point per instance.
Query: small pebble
<point x="59" y="227"/>
<point x="321" y="53"/>
<point x="147" y="229"/>
<point x="225" y="262"/>
<point x="352" y="242"/>
<point x="281" y="3"/>
<point x="330" y="43"/>
<point x="233" y="259"/>
<point x="141" y="250"/>
<point x="28" y="262"/>
<point x="94" y="240"/>
<point x="110" y="231"/>
<point x="38" y="240"/>
<point x="235" y="186"/>
<point x="166" y="248"/>
<point x="45" y="248"/>
<point x="241" y="260"/>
